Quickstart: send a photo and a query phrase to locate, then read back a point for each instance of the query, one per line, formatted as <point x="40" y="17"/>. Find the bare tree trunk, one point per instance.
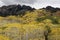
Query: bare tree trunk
<point x="46" y="35"/>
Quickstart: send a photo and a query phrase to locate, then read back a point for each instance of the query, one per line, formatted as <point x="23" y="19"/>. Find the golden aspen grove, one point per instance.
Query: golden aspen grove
<point x="33" y="25"/>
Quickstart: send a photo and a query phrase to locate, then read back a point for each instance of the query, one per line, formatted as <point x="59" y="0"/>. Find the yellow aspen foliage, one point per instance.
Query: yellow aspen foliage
<point x="34" y="25"/>
<point x="1" y="18"/>
<point x="13" y="25"/>
<point x="11" y="18"/>
<point x="47" y="21"/>
<point x="4" y="37"/>
<point x="55" y="31"/>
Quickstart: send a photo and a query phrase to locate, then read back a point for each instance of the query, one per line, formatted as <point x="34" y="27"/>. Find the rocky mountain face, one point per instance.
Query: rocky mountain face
<point x="20" y="10"/>
<point x="52" y="9"/>
<point x="14" y="10"/>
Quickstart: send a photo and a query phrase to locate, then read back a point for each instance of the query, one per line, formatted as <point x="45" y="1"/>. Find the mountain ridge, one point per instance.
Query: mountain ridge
<point x="20" y="10"/>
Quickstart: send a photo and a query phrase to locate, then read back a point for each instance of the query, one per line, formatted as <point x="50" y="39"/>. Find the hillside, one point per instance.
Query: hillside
<point x="26" y="23"/>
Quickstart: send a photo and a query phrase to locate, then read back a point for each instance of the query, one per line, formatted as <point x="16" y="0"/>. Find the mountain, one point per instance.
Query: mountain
<point x="14" y="10"/>
<point x="52" y="9"/>
<point x="20" y="10"/>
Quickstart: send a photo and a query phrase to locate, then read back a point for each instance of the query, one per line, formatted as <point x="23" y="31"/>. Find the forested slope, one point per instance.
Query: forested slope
<point x="26" y="23"/>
